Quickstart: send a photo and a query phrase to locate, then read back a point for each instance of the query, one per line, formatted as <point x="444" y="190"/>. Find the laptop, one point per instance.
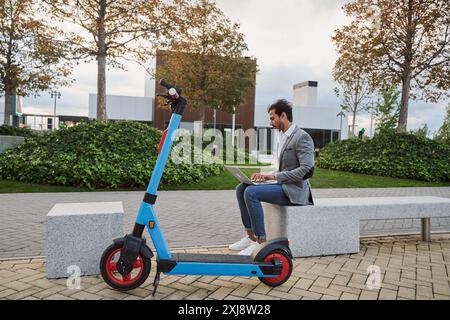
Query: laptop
<point x="238" y="174"/>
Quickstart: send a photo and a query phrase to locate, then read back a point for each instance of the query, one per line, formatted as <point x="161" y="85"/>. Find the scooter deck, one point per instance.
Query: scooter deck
<point x="217" y="264"/>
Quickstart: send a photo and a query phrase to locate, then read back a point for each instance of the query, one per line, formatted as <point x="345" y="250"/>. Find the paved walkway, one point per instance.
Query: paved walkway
<point x="189" y="218"/>
<point x="409" y="269"/>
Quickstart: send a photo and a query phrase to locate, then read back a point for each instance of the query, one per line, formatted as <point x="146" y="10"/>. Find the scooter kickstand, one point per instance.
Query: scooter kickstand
<point x="156" y="281"/>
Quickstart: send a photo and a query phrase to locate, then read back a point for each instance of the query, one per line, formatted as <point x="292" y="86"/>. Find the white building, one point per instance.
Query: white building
<point x="124" y="108"/>
<point x="321" y="122"/>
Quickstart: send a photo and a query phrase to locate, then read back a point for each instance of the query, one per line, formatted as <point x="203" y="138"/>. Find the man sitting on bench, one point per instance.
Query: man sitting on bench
<point x="296" y="165"/>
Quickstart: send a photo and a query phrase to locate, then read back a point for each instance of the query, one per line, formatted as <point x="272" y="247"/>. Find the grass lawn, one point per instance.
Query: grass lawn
<point x="225" y="181"/>
<point x="337" y="179"/>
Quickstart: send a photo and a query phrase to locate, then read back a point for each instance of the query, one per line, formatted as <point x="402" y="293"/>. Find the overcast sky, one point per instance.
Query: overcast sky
<point x="291" y="40"/>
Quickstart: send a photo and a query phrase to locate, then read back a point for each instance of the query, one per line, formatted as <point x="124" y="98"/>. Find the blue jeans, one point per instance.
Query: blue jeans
<point x="249" y="199"/>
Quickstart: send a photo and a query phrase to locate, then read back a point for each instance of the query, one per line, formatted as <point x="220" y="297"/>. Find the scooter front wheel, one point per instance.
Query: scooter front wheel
<point x="286" y="270"/>
<point x="108" y="269"/>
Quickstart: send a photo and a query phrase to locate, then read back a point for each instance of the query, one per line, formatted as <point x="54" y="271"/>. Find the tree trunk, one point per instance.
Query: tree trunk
<point x="406" y="76"/>
<point x="8" y="107"/>
<point x="8" y="111"/>
<point x="101" y="88"/>
<point x="403" y="119"/>
<point x="101" y="63"/>
<point x="353" y="122"/>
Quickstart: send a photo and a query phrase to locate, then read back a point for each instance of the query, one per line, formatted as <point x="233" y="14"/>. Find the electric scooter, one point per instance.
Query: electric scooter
<point x="126" y="264"/>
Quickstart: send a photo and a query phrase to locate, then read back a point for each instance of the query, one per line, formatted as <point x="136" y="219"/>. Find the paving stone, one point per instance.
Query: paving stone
<point x="441" y="290"/>
<point x="86" y="296"/>
<point x="327" y="291"/>
<point x="113" y="294"/>
<point x="242" y="291"/>
<point x="24" y="293"/>
<point x="231" y="297"/>
<point x="261" y="289"/>
<point x="182" y="287"/>
<point x="17" y="285"/>
<point x="49" y="292"/>
<point x="59" y="297"/>
<point x="387" y="294"/>
<point x="220" y="293"/>
<point x="406" y="293"/>
<point x="424" y="291"/>
<point x="283" y="295"/>
<point x="200" y="294"/>
<point x="326" y="297"/>
<point x="303" y="283"/>
<point x="222" y="283"/>
<point x="345" y="289"/>
<point x="306" y="294"/>
<point x="257" y="296"/>
<point x="340" y="280"/>
<point x="97" y="288"/>
<point x="368" y="295"/>
<point x="349" y="296"/>
<point x="6" y="293"/>
<point x="322" y="282"/>
<point x="132" y="297"/>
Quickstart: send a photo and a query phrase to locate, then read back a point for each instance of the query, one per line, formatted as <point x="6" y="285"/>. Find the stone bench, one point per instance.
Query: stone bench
<point x="332" y="225"/>
<point x="78" y="233"/>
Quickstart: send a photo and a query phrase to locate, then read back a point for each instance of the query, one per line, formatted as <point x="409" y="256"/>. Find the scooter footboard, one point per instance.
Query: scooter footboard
<point x="215" y="265"/>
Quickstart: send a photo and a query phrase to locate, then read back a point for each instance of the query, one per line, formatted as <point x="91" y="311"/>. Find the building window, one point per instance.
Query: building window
<point x="335" y="136"/>
<point x="49" y="123"/>
<point x="322" y="137"/>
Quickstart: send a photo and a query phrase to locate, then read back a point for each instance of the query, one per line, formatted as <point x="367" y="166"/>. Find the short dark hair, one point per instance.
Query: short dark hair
<point x="281" y="106"/>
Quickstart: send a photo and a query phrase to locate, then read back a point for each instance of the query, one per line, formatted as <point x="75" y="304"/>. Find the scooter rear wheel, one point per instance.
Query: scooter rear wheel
<point x="286" y="270"/>
<point x="108" y="269"/>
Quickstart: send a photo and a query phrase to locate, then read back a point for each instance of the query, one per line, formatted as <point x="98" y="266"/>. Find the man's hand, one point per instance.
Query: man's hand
<point x="257" y="177"/>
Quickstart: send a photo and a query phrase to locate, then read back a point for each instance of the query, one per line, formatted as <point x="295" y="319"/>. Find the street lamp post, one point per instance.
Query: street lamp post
<point x="56" y="95"/>
<point x="340" y="114"/>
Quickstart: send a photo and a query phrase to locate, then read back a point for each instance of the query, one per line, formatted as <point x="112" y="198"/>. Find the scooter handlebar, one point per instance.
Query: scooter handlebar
<point x="173" y="96"/>
<point x="169" y="86"/>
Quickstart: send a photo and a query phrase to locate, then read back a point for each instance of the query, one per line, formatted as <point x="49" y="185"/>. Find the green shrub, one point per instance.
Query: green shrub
<point x="97" y="155"/>
<point x="390" y="154"/>
<point x="6" y="130"/>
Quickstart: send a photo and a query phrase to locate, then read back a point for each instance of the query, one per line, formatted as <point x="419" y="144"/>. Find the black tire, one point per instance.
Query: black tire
<point x="108" y="274"/>
<point x="285" y="272"/>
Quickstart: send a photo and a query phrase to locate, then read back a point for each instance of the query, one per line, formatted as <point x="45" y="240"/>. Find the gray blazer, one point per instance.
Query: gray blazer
<point x="296" y="159"/>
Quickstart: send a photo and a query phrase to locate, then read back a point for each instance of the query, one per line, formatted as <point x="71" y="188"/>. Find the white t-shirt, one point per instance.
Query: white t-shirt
<point x="282" y="138"/>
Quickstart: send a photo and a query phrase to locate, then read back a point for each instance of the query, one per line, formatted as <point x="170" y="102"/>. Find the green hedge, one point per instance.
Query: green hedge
<point x="96" y="155"/>
<point x="391" y="155"/>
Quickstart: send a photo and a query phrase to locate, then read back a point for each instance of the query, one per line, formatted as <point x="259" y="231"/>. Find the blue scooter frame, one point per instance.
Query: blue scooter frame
<point x="272" y="263"/>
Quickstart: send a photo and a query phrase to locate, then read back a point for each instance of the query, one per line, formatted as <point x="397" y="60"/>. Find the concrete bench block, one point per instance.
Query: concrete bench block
<point x="332" y="225"/>
<point x="312" y="235"/>
<point x="78" y="233"/>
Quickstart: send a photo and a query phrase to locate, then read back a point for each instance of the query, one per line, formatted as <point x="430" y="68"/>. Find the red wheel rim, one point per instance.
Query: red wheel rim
<point x="285" y="267"/>
<point x="116" y="277"/>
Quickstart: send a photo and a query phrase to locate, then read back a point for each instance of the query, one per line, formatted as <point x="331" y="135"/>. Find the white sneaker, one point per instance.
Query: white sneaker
<point x="241" y="244"/>
<point x="249" y="250"/>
